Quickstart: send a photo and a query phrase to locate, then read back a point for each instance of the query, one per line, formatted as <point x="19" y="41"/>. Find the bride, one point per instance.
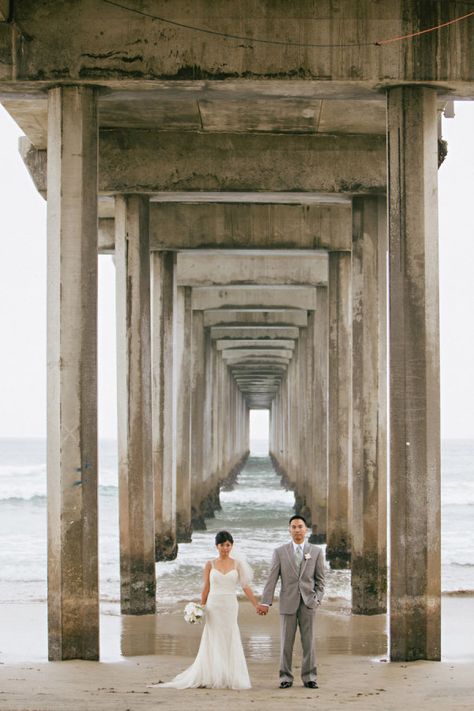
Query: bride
<point x="220" y="661"/>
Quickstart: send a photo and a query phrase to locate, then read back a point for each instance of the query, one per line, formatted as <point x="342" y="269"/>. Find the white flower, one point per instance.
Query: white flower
<point x="193" y="613"/>
<point x="307" y="556"/>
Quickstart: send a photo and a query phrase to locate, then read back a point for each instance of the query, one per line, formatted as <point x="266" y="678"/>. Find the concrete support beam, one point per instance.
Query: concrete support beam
<point x="232" y="354"/>
<point x="264" y="333"/>
<point x="340" y="388"/>
<point x="228" y="225"/>
<point x="415" y="587"/>
<point x="270" y="297"/>
<point x="73" y="594"/>
<point x="228" y="344"/>
<point x="369" y="465"/>
<point x="132" y="260"/>
<point x="164" y="304"/>
<point x="222" y="68"/>
<point x="152" y="161"/>
<point x="183" y="326"/>
<point x="223" y="268"/>
<point x="256" y="317"/>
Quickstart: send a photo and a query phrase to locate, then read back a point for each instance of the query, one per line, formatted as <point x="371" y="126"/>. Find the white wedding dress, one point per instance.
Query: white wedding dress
<point x="220" y="661"/>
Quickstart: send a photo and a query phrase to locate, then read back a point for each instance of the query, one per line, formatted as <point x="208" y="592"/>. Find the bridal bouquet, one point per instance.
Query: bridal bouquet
<point x="193" y="613"/>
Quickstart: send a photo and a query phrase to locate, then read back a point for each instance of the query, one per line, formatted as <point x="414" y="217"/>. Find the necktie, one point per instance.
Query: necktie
<point x="298" y="556"/>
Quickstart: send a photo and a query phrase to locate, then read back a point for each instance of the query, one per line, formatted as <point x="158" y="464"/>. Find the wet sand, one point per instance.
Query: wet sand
<point x="352" y="664"/>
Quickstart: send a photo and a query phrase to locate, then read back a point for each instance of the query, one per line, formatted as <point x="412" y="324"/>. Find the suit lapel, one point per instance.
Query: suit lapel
<point x="291" y="556"/>
<point x="303" y="562"/>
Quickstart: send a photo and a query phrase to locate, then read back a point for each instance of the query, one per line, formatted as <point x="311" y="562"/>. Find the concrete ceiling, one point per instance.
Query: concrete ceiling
<point x="158" y="111"/>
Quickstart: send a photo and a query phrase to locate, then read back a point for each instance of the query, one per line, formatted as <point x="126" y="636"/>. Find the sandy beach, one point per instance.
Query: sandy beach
<point x="352" y="664"/>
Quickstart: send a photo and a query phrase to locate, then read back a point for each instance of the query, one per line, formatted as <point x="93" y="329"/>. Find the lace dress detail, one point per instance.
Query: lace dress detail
<point x="220" y="661"/>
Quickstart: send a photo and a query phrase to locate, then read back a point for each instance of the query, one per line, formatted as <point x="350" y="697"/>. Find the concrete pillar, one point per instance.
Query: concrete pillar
<point x="318" y="337"/>
<point x="73" y="596"/>
<point x="183" y="333"/>
<point x="415" y="587"/>
<point x="206" y="494"/>
<point x="369" y="474"/>
<point x="303" y="424"/>
<point x="339" y="433"/>
<point x="164" y="403"/>
<point x="132" y="261"/>
<point x="198" y="386"/>
<point x="293" y="419"/>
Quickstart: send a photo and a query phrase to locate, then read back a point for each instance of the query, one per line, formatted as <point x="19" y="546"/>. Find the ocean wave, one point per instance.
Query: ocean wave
<point x="458" y="593"/>
<point x="33" y="499"/>
<point x="257" y="497"/>
<point x="14" y="470"/>
<point x="22" y="496"/>
<point x="461" y="565"/>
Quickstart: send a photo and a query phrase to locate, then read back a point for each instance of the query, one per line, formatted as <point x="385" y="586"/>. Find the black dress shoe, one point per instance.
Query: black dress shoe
<point x="286" y="684"/>
<point x="311" y="685"/>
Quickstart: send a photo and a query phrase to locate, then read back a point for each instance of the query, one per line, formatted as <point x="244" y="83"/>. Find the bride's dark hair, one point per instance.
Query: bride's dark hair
<point x="223" y="536"/>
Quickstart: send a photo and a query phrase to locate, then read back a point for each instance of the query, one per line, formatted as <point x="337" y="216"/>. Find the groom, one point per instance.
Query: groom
<point x="300" y="566"/>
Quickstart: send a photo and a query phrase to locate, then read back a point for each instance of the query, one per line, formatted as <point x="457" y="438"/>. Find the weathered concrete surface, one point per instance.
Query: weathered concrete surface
<point x="73" y="594"/>
<point x="415" y="589"/>
<point x="236" y="297"/>
<point x="257" y="226"/>
<point x="164" y="402"/>
<point x="183" y="357"/>
<point x="229" y="225"/>
<point x="227" y="220"/>
<point x="318" y="375"/>
<point x="265" y="333"/>
<point x="340" y="319"/>
<point x="267" y="343"/>
<point x="198" y="373"/>
<point x="132" y="260"/>
<point x="369" y="466"/>
<point x="254" y="317"/>
<point x="239" y="267"/>
<point x="256" y="352"/>
<point x="133" y="161"/>
<point x="131" y="46"/>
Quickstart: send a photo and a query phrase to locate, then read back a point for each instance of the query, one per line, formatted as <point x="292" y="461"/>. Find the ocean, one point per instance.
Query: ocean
<point x="256" y="512"/>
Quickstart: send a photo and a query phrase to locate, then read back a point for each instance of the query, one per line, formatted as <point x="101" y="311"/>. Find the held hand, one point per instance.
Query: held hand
<point x="262" y="609"/>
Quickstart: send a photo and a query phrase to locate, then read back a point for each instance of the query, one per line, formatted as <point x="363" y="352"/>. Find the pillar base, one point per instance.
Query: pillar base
<point x="414" y="629"/>
<point x="338" y="554"/>
<point x="166" y="547"/>
<point x="198" y="522"/>
<point x="184" y="531"/>
<point x="229" y="482"/>
<point x="211" y="503"/>
<point x="315" y="537"/>
<point x="369" y="585"/>
<point x="137" y="595"/>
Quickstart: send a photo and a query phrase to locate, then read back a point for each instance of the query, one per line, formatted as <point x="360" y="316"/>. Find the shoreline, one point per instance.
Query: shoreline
<point x="24" y="631"/>
<point x="351" y="655"/>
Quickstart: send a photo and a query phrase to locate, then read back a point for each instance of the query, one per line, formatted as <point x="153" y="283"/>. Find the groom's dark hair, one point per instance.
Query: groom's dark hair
<point x="299" y="517"/>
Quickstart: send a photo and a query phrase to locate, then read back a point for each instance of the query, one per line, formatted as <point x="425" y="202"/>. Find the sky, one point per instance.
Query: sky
<point x="23" y="294"/>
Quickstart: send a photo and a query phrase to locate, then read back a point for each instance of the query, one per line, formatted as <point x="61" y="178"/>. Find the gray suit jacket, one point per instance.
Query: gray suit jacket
<point x="308" y="584"/>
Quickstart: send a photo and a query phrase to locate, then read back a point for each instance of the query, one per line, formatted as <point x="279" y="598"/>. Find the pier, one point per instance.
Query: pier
<point x="265" y="176"/>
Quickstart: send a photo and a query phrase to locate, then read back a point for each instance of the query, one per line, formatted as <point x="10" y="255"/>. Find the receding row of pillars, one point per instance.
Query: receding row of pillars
<point x="183" y="422"/>
<point x="329" y="419"/>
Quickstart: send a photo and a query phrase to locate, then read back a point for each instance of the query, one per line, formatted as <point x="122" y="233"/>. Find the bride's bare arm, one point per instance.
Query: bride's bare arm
<point x="249" y="593"/>
<point x="206" y="585"/>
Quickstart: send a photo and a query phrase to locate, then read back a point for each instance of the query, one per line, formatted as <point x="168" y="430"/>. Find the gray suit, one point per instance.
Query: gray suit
<point x="301" y="593"/>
